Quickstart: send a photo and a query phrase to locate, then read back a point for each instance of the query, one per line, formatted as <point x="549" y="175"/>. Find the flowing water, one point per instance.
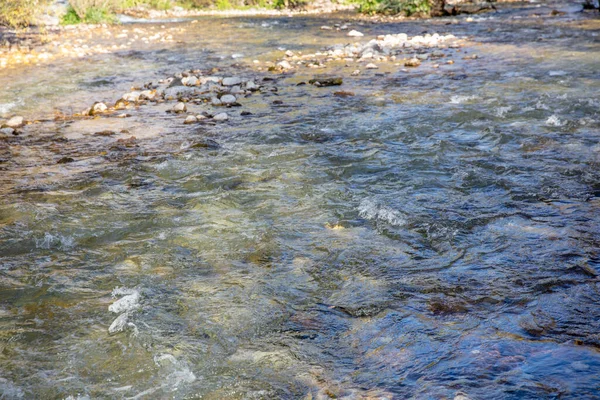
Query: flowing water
<point x="435" y="234"/>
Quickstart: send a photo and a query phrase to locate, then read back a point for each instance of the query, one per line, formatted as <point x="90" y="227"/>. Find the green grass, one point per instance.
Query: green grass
<point x="405" y="7"/>
<point x="92" y="16"/>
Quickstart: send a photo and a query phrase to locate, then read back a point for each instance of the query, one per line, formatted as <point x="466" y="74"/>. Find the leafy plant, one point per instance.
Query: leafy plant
<point x="406" y="7"/>
<point x="19" y="13"/>
<point x="71" y="17"/>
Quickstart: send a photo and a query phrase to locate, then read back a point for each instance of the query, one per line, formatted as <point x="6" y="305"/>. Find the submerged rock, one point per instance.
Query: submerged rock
<point x="336" y="81"/>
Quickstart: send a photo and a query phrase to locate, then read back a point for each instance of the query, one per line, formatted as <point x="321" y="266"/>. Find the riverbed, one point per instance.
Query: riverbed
<point x="423" y="232"/>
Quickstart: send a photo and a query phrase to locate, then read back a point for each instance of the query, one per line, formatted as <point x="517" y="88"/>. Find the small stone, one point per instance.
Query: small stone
<point x="228" y="99"/>
<point x="98" y="108"/>
<point x="326" y="28"/>
<point x="413" y="62"/>
<point x="179" y="108"/>
<point x="250" y="85"/>
<point x="231" y="81"/>
<point x="200" y="117"/>
<point x="131" y="96"/>
<point x="354" y="33"/>
<point x="65" y="160"/>
<point x="121" y="104"/>
<point x="245" y="113"/>
<point x="7" y="131"/>
<point x="190" y="119"/>
<point x="215" y="101"/>
<point x="289" y="53"/>
<point x="190" y="81"/>
<point x="15" y="122"/>
<point x="147" y="95"/>
<point x="422" y="56"/>
<point x="221" y="117"/>
<point x="285" y="65"/>
<point x="326" y="81"/>
<point x="371" y="66"/>
<point x="356" y="72"/>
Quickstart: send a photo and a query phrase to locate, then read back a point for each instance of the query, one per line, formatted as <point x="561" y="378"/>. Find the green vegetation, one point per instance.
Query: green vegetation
<point x="19" y="13"/>
<point x="406" y="7"/>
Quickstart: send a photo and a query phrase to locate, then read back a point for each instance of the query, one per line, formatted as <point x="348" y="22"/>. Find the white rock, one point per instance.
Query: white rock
<point x="190" y="81"/>
<point x="221" y="117"/>
<point x="215" y="101"/>
<point x="356" y="72"/>
<point x="231" y="81"/>
<point x="285" y="65"/>
<point x="131" y="96"/>
<point x="326" y="28"/>
<point x="98" y="108"/>
<point x="180" y="107"/>
<point x="16" y="122"/>
<point x="147" y="95"/>
<point x="250" y="85"/>
<point x="7" y="131"/>
<point x="354" y="33"/>
<point x="289" y="53"/>
<point x="371" y="66"/>
<point x="190" y="119"/>
<point x="200" y="117"/>
<point x="228" y="99"/>
<point x="126" y="303"/>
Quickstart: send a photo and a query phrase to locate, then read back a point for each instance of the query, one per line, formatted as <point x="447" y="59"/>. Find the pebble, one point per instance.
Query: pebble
<point x="413" y="62"/>
<point x="354" y="33"/>
<point x="356" y="72"/>
<point x="147" y="95"/>
<point x="7" y="131"/>
<point x="15" y="122"/>
<point x="131" y="96"/>
<point x="326" y="28"/>
<point x="215" y="101"/>
<point x="371" y="66"/>
<point x="221" y="117"/>
<point x="285" y="65"/>
<point x="98" y="108"/>
<point x="179" y="108"/>
<point x="190" y="81"/>
<point x="231" y="81"/>
<point x="190" y="119"/>
<point x="250" y="85"/>
<point x="228" y="99"/>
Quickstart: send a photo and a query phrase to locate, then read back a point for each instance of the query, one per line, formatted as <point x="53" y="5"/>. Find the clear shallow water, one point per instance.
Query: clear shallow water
<point x="436" y="233"/>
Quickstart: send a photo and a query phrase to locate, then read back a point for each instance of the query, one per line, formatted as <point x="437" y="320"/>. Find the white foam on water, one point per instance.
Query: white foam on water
<point x="178" y="372"/>
<point x="119" y="324"/>
<point x="6" y="107"/>
<point x="59" y="241"/>
<point x="461" y="99"/>
<point x="502" y="111"/>
<point x="125" y="304"/>
<point x="553" y="120"/>
<point x="370" y="209"/>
